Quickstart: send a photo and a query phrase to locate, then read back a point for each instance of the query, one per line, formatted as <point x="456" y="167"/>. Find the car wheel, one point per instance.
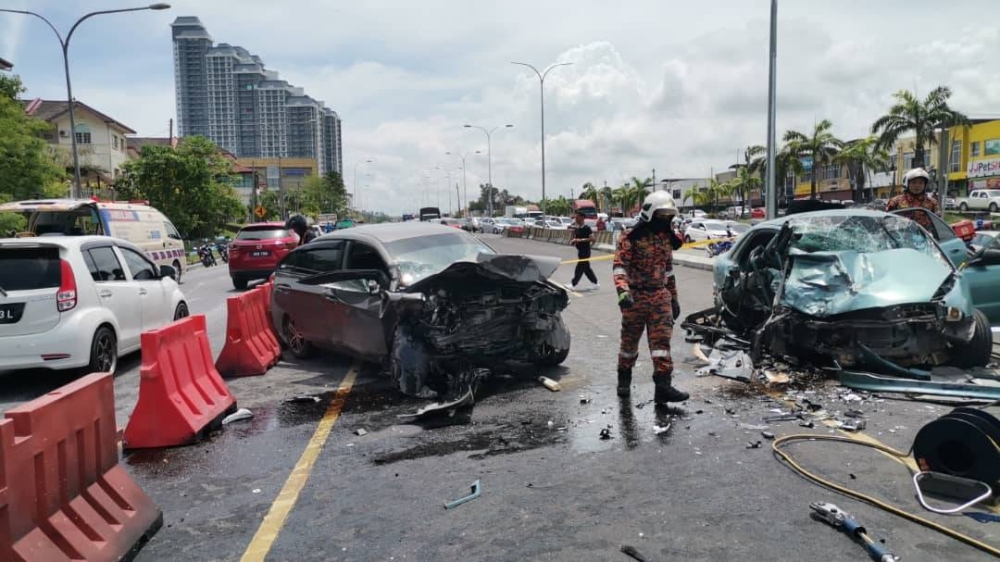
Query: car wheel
<point x="240" y="283"/>
<point x="181" y="311"/>
<point x="963" y="207"/>
<point x="976" y="353"/>
<point x="993" y="207"/>
<point x="297" y="344"/>
<point x="177" y="268"/>
<point x="103" y="351"/>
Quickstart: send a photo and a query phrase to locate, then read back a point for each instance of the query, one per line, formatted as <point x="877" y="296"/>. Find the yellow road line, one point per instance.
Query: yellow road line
<point x="273" y="522"/>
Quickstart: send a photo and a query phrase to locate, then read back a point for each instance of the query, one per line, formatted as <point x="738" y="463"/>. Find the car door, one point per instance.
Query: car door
<point x="353" y="312"/>
<point x="953" y="246"/>
<point x="117" y="293"/>
<point x="156" y="311"/>
<point x="982" y="277"/>
<point x="305" y="303"/>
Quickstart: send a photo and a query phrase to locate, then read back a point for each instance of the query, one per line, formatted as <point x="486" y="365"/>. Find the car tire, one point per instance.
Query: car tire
<point x="978" y="352"/>
<point x="103" y="351"/>
<point x="240" y="284"/>
<point x="297" y="345"/>
<point x="963" y="207"/>
<point x="554" y="356"/>
<point x="181" y="311"/>
<point x="180" y="273"/>
<point x="993" y="207"/>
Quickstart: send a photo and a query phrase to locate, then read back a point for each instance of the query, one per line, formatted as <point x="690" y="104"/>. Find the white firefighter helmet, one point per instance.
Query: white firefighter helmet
<point x="916" y="173"/>
<point x="657" y="201"/>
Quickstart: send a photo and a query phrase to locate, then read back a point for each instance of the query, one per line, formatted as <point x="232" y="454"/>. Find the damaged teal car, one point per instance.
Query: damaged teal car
<point x="854" y="288"/>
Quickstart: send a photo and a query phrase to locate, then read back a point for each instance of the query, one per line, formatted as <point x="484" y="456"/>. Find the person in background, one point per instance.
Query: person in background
<point x="915" y="183"/>
<point x="583" y="237"/>
<point x="601" y="225"/>
<point x="298" y="225"/>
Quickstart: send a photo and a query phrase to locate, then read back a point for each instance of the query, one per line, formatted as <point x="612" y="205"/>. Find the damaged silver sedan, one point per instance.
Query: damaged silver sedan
<point x="436" y="306"/>
<point x="848" y="287"/>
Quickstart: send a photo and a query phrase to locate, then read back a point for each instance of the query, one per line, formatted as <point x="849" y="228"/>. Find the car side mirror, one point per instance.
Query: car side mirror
<point x="168" y="271"/>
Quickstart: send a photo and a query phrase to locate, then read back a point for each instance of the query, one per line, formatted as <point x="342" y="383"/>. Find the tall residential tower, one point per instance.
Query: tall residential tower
<point x="226" y="94"/>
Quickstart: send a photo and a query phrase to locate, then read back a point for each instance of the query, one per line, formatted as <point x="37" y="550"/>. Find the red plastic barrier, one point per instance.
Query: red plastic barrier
<point x="180" y="392"/>
<point x="264" y="311"/>
<point x="268" y="288"/>
<point x="63" y="495"/>
<point x="251" y="349"/>
<point x="966" y="230"/>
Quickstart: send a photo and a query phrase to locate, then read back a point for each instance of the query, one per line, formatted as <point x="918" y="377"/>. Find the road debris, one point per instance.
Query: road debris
<point x="361" y="432"/>
<point x="633" y="553"/>
<point x="858" y="425"/>
<point x="302" y="400"/>
<point x="449" y="408"/>
<point x="767" y="435"/>
<point x="983" y="517"/>
<point x="550" y="384"/>
<point x="238" y="415"/>
<point x="476" y="491"/>
<point x="605" y="434"/>
<point x="753" y="445"/>
<point x="659" y="429"/>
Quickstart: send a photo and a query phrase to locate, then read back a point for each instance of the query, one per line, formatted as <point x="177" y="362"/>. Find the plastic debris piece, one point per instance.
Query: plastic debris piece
<point x="753" y="445"/>
<point x="767" y="435"/>
<point x="476" y="490"/>
<point x="361" y="432"/>
<point x="550" y="384"/>
<point x="238" y="415"/>
<point x="605" y="434"/>
<point x="631" y="552"/>
<point x="658" y="429"/>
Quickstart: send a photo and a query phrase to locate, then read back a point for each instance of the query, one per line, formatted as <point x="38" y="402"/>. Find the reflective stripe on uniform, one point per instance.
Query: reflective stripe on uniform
<point x="626" y="355"/>
<point x="619" y="271"/>
<point x="670" y="274"/>
<point x="659" y="353"/>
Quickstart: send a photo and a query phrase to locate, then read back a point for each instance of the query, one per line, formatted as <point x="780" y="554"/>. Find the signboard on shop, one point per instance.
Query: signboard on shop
<point x="986" y="183"/>
<point x="983" y="168"/>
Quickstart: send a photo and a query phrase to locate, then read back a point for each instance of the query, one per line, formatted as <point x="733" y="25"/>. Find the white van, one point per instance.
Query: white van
<point x="134" y="221"/>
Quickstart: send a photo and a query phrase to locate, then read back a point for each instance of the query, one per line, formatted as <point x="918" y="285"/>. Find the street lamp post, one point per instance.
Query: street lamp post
<point x="541" y="89"/>
<point x="465" y="185"/>
<point x="355" y="194"/>
<point x="489" y="161"/>
<point x="64" y="43"/>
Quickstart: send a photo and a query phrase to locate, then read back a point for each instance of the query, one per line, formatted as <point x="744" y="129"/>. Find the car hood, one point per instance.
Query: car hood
<point x="496" y="267"/>
<point x="829" y="283"/>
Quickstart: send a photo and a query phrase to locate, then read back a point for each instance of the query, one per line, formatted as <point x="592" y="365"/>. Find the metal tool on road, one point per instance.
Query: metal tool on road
<point x="476" y="489"/>
<point x="841" y="520"/>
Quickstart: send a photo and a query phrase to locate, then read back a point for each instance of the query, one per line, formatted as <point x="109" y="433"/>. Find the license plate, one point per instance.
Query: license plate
<point x="11" y="313"/>
<point x="259" y="254"/>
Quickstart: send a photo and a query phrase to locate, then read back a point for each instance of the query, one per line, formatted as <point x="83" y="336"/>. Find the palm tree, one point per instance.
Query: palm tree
<point x="699" y="196"/>
<point x="607" y="197"/>
<point x="921" y="117"/>
<point x="621" y="197"/>
<point x="822" y="146"/>
<point x="717" y="190"/>
<point x="744" y="184"/>
<point x="785" y="162"/>
<point x="590" y="192"/>
<point x="861" y="156"/>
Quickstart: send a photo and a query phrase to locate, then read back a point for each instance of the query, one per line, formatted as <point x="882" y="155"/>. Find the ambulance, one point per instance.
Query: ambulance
<point x="134" y="221"/>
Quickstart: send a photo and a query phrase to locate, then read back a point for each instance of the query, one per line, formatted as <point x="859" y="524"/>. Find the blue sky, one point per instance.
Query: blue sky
<point x="674" y="85"/>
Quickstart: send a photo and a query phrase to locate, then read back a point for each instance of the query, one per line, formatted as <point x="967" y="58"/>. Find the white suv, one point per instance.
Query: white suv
<point x="80" y="301"/>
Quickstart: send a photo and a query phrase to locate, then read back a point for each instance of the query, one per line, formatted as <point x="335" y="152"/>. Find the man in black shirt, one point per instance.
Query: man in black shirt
<point x="583" y="237"/>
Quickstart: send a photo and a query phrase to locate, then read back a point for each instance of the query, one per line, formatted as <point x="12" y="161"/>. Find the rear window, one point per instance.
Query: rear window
<point x="26" y="269"/>
<point x="262" y="233"/>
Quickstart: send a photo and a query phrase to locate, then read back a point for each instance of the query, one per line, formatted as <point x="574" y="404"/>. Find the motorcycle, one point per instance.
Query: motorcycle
<point x="720" y="247"/>
<point x="206" y="256"/>
<point x="223" y="252"/>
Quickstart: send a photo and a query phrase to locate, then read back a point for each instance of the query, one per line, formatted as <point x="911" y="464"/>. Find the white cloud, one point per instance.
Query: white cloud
<point x="676" y="86"/>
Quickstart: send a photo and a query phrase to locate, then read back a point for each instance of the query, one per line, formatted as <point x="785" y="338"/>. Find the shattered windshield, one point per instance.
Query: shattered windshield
<point x="864" y="234"/>
<point x="427" y="255"/>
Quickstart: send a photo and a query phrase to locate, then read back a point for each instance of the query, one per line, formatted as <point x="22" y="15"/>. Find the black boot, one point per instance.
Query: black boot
<point x="665" y="392"/>
<point x="624" y="382"/>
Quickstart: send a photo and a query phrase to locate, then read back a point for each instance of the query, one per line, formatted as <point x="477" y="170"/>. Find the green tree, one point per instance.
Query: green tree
<point x="26" y="165"/>
<point x="786" y="162"/>
<point x="11" y="86"/>
<point x="861" y="157"/>
<point x="190" y="184"/>
<point x="559" y="206"/>
<point x="719" y="190"/>
<point x="744" y="184"/>
<point x="591" y="193"/>
<point x="922" y="117"/>
<point x="821" y="146"/>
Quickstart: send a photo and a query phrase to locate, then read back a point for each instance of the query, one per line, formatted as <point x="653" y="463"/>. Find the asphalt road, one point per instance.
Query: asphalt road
<point x="552" y="489"/>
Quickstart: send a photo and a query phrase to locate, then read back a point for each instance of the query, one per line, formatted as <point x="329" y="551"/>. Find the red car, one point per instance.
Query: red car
<point x="256" y="251"/>
<point x="758" y="213"/>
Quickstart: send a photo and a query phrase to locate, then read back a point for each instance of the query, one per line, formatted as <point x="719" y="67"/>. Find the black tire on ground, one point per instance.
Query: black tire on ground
<point x="993" y="207"/>
<point x="177" y="268"/>
<point x="181" y="311"/>
<point x="297" y="345"/>
<point x="556" y="358"/>
<point x="963" y="207"/>
<point x="240" y="283"/>
<point x="103" y="351"/>
<point x="976" y="353"/>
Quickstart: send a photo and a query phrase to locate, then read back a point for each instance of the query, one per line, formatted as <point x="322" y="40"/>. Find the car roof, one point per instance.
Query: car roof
<point x="390" y="232"/>
<point x="68" y="242"/>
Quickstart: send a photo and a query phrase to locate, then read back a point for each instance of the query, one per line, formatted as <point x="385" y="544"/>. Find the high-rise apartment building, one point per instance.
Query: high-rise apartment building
<point x="226" y="94"/>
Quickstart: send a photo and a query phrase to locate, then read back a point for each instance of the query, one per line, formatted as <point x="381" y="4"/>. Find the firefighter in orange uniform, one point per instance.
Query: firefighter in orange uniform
<point x="915" y="183"/>
<point x="647" y="294"/>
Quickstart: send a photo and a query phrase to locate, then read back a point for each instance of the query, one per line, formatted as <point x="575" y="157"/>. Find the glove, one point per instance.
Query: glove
<point x="675" y="307"/>
<point x="625" y="301"/>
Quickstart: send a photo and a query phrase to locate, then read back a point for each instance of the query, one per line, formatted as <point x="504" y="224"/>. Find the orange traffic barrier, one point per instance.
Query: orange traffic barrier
<point x="251" y="348"/>
<point x="63" y="494"/>
<point x="268" y="288"/>
<point x="180" y="392"/>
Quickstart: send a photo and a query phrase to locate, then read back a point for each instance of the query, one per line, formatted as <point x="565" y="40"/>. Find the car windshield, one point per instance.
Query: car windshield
<point x="262" y="233"/>
<point x="864" y="234"/>
<point x="714" y="225"/>
<point x="427" y="255"/>
<point x="739" y="228"/>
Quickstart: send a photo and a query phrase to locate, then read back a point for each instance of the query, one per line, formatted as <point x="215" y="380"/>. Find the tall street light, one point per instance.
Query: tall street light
<point x="489" y="160"/>
<point x="465" y="185"/>
<point x="771" y="201"/>
<point x="354" y="196"/>
<point x="541" y="89"/>
<point x="64" y="43"/>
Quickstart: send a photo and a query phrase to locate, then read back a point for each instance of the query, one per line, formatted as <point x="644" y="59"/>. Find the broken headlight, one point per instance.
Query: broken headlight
<point x="953" y="314"/>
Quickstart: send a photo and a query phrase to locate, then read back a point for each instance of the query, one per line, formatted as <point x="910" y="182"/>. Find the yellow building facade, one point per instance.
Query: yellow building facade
<point x="975" y="156"/>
